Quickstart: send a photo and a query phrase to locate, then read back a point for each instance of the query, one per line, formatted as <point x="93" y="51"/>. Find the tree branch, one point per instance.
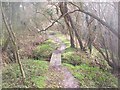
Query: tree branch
<point x="58" y="20"/>
<point x="98" y="19"/>
<point x="88" y="13"/>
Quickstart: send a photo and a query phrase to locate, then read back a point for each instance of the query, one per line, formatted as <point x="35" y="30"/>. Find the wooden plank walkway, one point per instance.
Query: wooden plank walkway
<point x="55" y="64"/>
<point x="56" y="56"/>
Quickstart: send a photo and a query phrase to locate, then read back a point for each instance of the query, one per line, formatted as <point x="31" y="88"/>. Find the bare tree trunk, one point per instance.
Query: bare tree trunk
<point x="110" y="63"/>
<point x="70" y="32"/>
<point x="106" y="52"/>
<point x="64" y="9"/>
<point x="102" y="54"/>
<point x="76" y="34"/>
<point x="12" y="37"/>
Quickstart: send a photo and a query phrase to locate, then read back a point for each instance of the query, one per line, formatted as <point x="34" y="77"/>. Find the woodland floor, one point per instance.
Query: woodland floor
<point x="53" y="64"/>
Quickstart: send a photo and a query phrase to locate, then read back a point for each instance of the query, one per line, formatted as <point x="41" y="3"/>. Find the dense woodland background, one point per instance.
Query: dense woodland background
<point x="89" y="31"/>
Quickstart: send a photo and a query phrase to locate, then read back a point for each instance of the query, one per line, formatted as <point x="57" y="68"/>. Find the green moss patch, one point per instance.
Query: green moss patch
<point x="70" y="56"/>
<point x="44" y="50"/>
<point x="39" y="81"/>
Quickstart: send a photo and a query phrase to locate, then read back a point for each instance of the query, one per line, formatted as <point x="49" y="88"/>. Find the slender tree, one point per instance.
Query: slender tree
<point x="13" y="39"/>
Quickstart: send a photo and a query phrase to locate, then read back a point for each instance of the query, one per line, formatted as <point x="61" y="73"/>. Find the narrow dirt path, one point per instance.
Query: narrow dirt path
<point x="59" y="76"/>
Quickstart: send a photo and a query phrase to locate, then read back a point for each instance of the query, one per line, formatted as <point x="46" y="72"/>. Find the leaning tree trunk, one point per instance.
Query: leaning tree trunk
<point x="98" y="19"/>
<point x="13" y="39"/>
<point x="110" y="63"/>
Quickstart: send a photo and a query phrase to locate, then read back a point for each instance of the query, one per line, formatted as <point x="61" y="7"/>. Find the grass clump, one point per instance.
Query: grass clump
<point x="70" y="57"/>
<point x="44" y="50"/>
<point x="90" y="77"/>
<point x="39" y="81"/>
<point x="35" y="74"/>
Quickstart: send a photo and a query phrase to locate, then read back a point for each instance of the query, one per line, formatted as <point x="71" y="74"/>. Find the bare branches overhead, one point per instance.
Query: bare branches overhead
<point x="98" y="19"/>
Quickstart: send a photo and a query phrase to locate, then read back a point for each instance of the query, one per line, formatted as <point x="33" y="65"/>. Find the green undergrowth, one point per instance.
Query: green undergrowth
<point x="38" y="76"/>
<point x="35" y="74"/>
<point x="86" y="71"/>
<point x="44" y="50"/>
<point x="90" y="77"/>
<point x="69" y="56"/>
<point x="64" y="39"/>
<point x="96" y="55"/>
<point x="75" y="57"/>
